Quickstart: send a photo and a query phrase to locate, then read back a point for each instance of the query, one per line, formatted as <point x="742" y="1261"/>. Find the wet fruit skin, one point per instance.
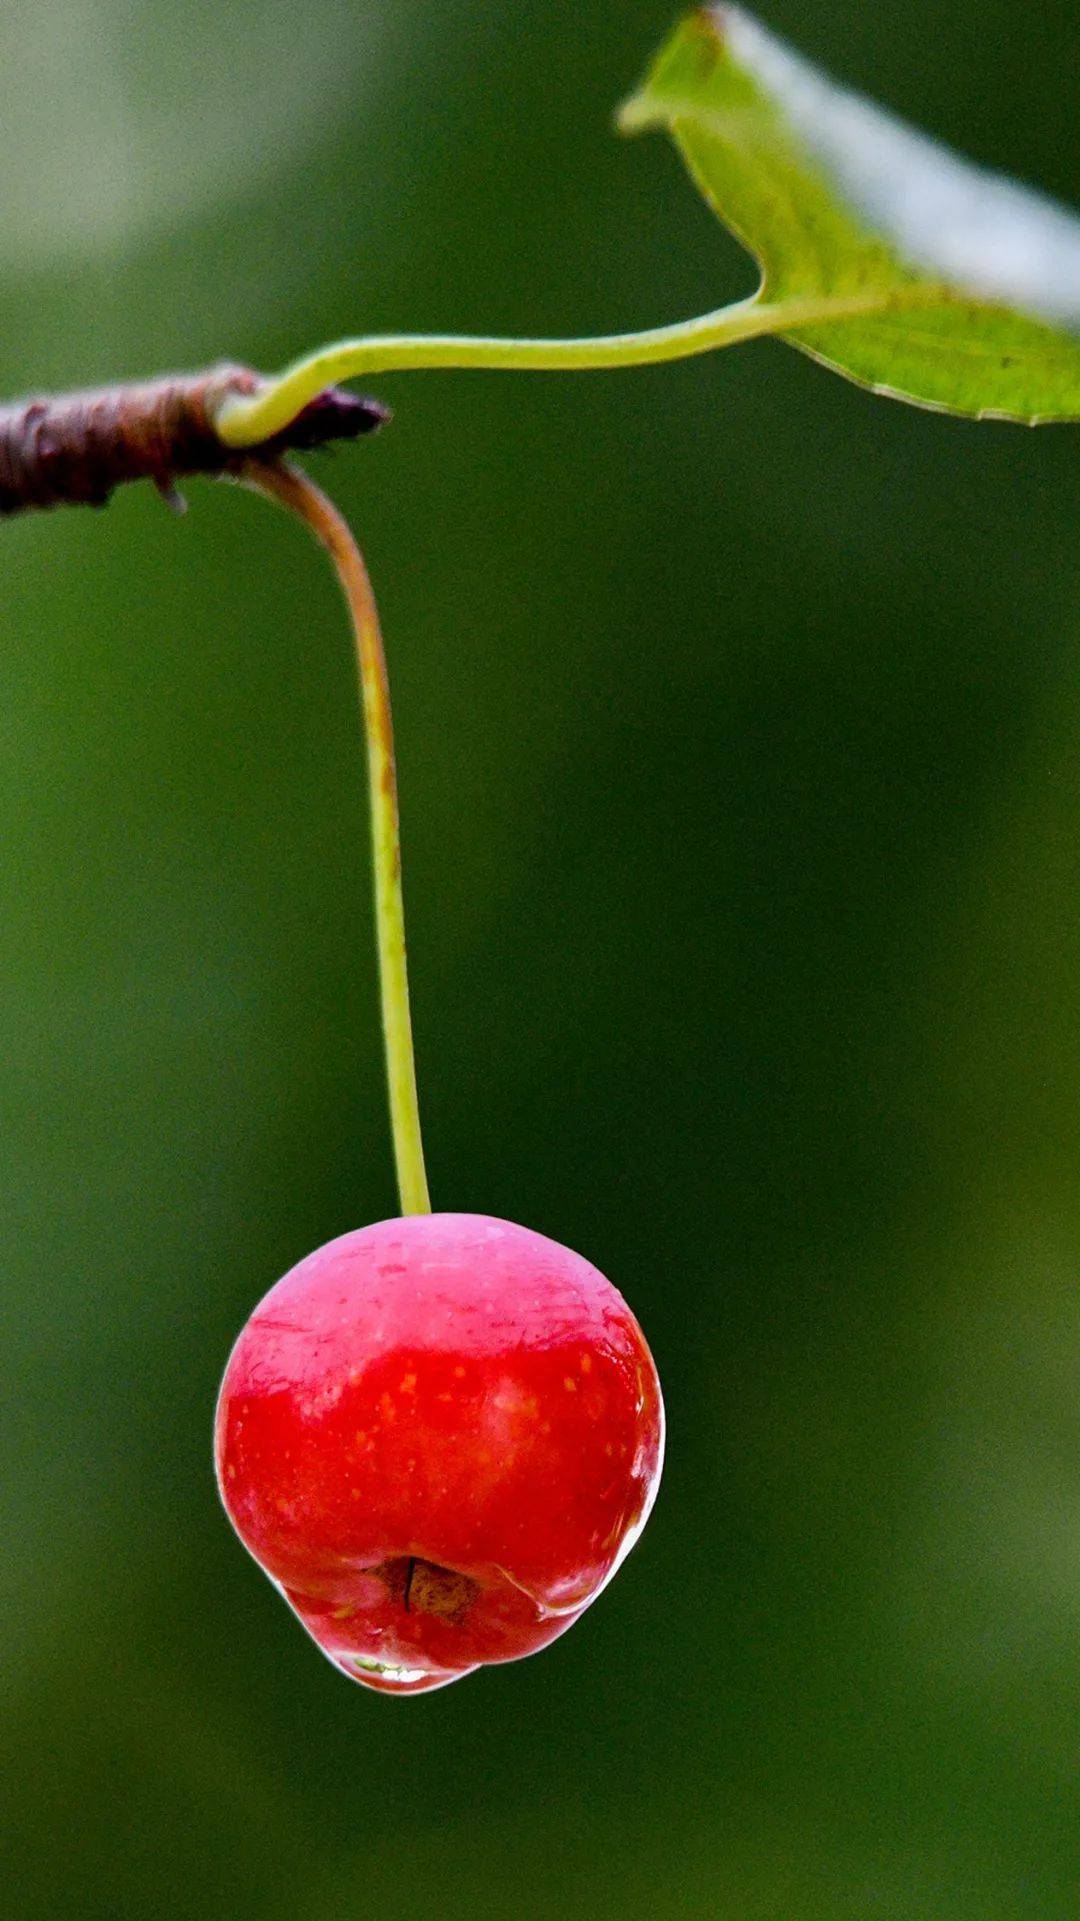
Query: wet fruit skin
<point x="439" y="1436"/>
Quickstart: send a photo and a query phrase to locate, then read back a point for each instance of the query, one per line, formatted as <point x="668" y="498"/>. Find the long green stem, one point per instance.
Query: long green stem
<point x="295" y="491"/>
<point x="245" y="420"/>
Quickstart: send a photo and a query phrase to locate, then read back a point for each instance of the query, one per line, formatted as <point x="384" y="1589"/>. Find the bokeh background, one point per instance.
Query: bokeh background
<point x="738" y="720"/>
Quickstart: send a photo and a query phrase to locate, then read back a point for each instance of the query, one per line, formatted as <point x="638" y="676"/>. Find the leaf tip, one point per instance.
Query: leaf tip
<point x="633" y="116"/>
<point x="705" y="29"/>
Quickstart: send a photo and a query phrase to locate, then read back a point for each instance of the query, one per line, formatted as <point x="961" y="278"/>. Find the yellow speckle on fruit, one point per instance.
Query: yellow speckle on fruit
<point x="342" y="1613"/>
<point x="585" y="1363"/>
<point x="408" y="1384"/>
<point x="361" y="1436"/>
<point x="570" y="1384"/>
<point x="232" y="1472"/>
<point x="459" y="1373"/>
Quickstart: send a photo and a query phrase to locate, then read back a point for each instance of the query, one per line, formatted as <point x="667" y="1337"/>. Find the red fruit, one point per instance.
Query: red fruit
<point x="439" y="1437"/>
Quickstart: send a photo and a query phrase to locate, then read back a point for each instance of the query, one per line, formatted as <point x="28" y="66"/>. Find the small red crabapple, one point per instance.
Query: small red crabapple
<point x="439" y="1437"/>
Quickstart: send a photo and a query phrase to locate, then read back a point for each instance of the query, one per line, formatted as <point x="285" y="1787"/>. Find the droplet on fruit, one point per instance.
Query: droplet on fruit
<point x="439" y="1436"/>
<point x="394" y="1677"/>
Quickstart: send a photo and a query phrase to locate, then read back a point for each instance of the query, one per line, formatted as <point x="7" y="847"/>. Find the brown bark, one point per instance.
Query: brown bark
<point x="74" y="449"/>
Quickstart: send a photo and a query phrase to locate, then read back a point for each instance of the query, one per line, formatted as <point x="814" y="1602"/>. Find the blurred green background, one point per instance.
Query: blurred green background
<point x="738" y="720"/>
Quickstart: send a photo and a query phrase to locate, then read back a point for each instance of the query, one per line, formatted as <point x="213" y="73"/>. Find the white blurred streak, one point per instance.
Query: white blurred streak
<point x="117" y="116"/>
<point x="976" y="229"/>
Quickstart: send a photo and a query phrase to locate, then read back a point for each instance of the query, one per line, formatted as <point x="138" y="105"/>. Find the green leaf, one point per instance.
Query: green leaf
<point x="939" y="283"/>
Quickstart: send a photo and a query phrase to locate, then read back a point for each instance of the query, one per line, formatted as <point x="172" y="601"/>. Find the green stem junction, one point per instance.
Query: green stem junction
<point x="243" y="420"/>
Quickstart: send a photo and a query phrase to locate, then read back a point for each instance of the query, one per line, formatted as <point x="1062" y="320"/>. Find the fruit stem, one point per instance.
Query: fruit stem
<point x="294" y="491"/>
